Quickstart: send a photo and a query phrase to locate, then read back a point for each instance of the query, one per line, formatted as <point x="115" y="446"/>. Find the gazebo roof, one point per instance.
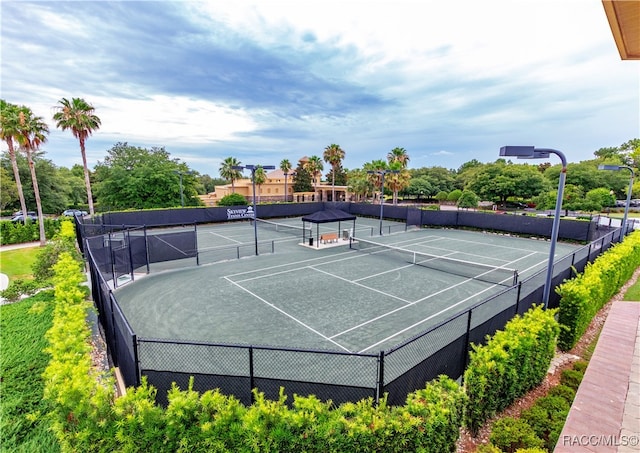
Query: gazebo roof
<point x="328" y="215"/>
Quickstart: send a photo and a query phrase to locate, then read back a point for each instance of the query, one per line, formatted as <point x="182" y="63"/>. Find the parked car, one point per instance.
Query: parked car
<point x="33" y="213"/>
<point x="74" y="212"/>
<point x="20" y="218"/>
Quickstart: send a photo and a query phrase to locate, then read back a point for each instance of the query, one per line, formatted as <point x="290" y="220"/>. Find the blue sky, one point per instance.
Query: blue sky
<point x="264" y="81"/>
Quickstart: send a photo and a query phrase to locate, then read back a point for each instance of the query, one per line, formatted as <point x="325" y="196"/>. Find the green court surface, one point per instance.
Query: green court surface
<point x="328" y="298"/>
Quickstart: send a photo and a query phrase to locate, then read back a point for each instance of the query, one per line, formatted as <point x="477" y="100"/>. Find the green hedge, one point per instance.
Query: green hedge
<point x="18" y="232"/>
<point x="513" y="361"/>
<point x="583" y="296"/>
<point x="86" y="416"/>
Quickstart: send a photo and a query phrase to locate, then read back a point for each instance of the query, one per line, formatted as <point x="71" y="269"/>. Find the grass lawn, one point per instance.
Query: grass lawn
<point x="17" y="263"/>
<point x="23" y="425"/>
<point x="633" y="293"/>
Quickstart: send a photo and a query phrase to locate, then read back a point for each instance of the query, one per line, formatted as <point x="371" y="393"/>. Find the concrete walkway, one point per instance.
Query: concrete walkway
<point x="605" y="415"/>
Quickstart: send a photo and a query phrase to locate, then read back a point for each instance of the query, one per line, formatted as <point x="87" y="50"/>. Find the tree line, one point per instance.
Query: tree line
<point x="131" y="177"/>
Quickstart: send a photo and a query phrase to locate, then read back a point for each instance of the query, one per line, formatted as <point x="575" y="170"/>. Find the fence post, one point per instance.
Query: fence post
<point x="136" y="359"/>
<point x="146" y="247"/>
<point x="518" y="298"/>
<point x="380" y="383"/>
<point x="467" y="345"/>
<point x="251" y="383"/>
<point x="195" y="231"/>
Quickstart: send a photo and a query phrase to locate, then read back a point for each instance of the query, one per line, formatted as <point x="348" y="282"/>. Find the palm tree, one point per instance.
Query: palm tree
<point x="375" y="177"/>
<point x="32" y="130"/>
<point x="398" y="160"/>
<point x="314" y="166"/>
<point x="260" y="177"/>
<point x="333" y="155"/>
<point x="9" y="131"/>
<point x="229" y="173"/>
<point x="285" y="166"/>
<point x="398" y="155"/>
<point x="78" y="115"/>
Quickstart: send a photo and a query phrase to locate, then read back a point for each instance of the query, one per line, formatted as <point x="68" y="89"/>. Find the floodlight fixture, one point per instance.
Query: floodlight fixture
<point x="531" y="152"/>
<point x="629" y="190"/>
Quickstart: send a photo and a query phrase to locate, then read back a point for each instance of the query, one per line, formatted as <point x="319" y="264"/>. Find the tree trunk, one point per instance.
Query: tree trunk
<point x="16" y="175"/>
<point x="36" y="193"/>
<point x="87" y="179"/>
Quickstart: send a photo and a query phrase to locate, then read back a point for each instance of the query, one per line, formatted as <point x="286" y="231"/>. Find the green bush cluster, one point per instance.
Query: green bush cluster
<point x="513" y="361"/>
<point x="18" y="232"/>
<point x="538" y="427"/>
<point x="583" y="296"/>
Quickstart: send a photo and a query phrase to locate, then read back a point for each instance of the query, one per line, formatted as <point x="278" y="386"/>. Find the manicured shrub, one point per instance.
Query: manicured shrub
<point x="571" y="378"/>
<point x="583" y="296"/>
<point x="64" y="241"/>
<point x="18" y="233"/>
<point x="563" y="391"/>
<point x="512" y="362"/>
<point x="510" y="434"/>
<point x="546" y="417"/>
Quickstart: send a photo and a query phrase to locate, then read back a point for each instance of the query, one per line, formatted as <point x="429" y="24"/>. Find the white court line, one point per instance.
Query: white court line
<point x="295" y="263"/>
<point x="288" y="315"/>
<point x="361" y="285"/>
<point x="413" y="303"/>
<point x="438" y="313"/>
<point x="224" y="237"/>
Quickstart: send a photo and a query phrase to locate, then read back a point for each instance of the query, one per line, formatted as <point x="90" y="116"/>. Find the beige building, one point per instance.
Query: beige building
<point x="273" y="190"/>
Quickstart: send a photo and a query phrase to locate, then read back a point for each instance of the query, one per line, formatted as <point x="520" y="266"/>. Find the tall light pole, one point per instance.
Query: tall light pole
<point x="382" y="173"/>
<point x="629" y="190"/>
<point x="531" y="152"/>
<point x="253" y="169"/>
<point x="180" y="173"/>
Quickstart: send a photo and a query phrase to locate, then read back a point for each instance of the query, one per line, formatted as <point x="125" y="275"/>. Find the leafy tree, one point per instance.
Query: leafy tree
<point x="600" y="197"/>
<point x="233" y="199"/>
<point x="340" y="178"/>
<point x="468" y="199"/>
<point x="500" y="181"/>
<point x="78" y="116"/>
<point x="207" y="184"/>
<point x="8" y="189"/>
<point x="440" y="178"/>
<point x="229" y="173"/>
<point x="333" y="155"/>
<point x="420" y="187"/>
<point x="137" y="178"/>
<point x="52" y="182"/>
<point x="74" y="186"/>
<point x="454" y="195"/>
<point x="302" y="181"/>
<point x="359" y="184"/>
<point x="9" y="132"/>
<point x="442" y="196"/>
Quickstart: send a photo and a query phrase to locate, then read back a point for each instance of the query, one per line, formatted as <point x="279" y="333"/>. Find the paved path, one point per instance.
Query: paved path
<point x="605" y="415"/>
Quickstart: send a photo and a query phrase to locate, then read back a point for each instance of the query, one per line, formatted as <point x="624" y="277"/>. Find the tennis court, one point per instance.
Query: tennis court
<point x="335" y="298"/>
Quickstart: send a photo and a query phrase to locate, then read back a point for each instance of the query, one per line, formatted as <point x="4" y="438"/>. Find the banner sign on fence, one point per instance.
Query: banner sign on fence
<point x="240" y="213"/>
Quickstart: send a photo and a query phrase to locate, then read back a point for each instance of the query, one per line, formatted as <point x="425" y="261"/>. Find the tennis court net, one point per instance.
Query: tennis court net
<point x="281" y="227"/>
<point x="469" y="269"/>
